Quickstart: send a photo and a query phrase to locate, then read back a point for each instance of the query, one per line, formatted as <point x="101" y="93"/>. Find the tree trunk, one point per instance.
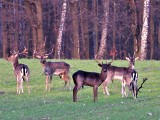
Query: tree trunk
<point x="135" y="27"/>
<point x="4" y="33"/>
<point x="158" y="36"/>
<point x="32" y="17"/>
<point x="114" y="26"/>
<point x="84" y="29"/>
<point x="95" y="11"/>
<point x="76" y="47"/>
<point x="39" y="26"/>
<point x="151" y="33"/>
<point x="15" y="34"/>
<point x="102" y="47"/>
<point x="144" y="30"/>
<point x="59" y="39"/>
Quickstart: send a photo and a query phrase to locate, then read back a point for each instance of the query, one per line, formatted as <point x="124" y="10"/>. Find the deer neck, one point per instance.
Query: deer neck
<point x="131" y="66"/>
<point x="43" y="64"/>
<point x="103" y="76"/>
<point x="15" y="64"/>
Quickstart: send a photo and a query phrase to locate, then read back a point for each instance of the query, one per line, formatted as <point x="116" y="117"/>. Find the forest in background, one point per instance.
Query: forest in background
<point x="81" y="29"/>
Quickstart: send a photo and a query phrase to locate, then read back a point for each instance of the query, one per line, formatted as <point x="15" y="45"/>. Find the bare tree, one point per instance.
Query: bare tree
<point x="59" y="39"/>
<point x="4" y="34"/>
<point x="102" y="47"/>
<point x="76" y="47"/>
<point x="135" y="26"/>
<point x="144" y="30"/>
<point x="151" y="32"/>
<point x="84" y="28"/>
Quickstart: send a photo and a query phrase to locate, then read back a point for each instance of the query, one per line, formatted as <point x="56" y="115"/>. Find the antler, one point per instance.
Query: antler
<point x="24" y="52"/>
<point x="144" y="80"/>
<point x="13" y="52"/>
<point x="47" y="54"/>
<point x="35" y="53"/>
<point x="129" y="55"/>
<point x="98" y="61"/>
<point x="110" y="62"/>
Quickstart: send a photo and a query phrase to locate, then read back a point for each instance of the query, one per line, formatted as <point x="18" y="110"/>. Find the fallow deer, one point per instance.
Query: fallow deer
<point x="21" y="71"/>
<point x="127" y="75"/>
<point x="92" y="79"/>
<point x="53" y="68"/>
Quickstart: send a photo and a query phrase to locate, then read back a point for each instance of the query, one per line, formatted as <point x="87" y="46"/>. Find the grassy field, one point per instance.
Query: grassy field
<point x="57" y="104"/>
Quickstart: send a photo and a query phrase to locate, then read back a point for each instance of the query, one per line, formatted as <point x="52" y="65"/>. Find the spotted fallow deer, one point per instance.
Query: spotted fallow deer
<point x="53" y="68"/>
<point x="127" y="75"/>
<point x="21" y="71"/>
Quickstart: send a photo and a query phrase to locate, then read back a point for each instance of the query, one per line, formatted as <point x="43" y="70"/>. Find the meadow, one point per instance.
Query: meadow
<point x="58" y="104"/>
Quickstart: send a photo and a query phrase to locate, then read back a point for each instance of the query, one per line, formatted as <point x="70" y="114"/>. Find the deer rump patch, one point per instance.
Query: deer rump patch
<point x="24" y="71"/>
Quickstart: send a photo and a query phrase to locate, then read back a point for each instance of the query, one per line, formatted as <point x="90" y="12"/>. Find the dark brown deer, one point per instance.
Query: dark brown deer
<point x="54" y="68"/>
<point x="21" y="71"/>
<point x="127" y="75"/>
<point x="92" y="79"/>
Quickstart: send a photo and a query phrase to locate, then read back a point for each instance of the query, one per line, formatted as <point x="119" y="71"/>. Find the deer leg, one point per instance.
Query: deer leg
<point x="47" y="82"/>
<point x="66" y="79"/>
<point x="18" y="92"/>
<point x="18" y="85"/>
<point x="69" y="82"/>
<point x="95" y="92"/>
<point x="21" y="85"/>
<point x="75" y="91"/>
<point x="135" y="90"/>
<point x="65" y="83"/>
<point x="123" y="88"/>
<point x="28" y="85"/>
<point x="105" y="88"/>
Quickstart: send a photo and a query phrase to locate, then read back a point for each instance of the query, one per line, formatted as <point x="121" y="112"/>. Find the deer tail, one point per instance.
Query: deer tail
<point x="74" y="77"/>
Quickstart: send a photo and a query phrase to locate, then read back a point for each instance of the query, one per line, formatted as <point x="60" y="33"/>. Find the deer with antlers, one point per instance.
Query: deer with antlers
<point x="53" y="68"/>
<point x="21" y="71"/>
<point x="127" y="75"/>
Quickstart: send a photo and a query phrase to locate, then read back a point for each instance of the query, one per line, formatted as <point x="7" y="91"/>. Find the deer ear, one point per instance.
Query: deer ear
<point x="100" y="65"/>
<point x="16" y="55"/>
<point x="38" y="56"/>
<point x="127" y="58"/>
<point x="46" y="56"/>
<point x="136" y="58"/>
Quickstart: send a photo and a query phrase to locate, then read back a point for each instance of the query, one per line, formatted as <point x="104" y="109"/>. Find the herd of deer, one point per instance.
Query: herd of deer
<point x="127" y="75"/>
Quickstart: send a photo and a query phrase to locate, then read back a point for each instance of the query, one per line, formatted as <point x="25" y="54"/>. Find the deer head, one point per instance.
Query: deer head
<point x="104" y="66"/>
<point x="131" y="60"/>
<point x="14" y="55"/>
<point x="42" y="57"/>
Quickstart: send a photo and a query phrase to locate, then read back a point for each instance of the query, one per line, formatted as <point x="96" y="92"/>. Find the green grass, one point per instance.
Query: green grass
<point x="57" y="104"/>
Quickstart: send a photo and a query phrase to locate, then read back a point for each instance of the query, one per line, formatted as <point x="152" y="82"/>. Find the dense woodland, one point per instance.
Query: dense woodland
<point x="81" y="29"/>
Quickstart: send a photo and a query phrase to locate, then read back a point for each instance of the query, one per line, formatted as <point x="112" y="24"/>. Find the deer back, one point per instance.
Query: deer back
<point x="56" y="68"/>
<point x="116" y="72"/>
<point x="86" y="78"/>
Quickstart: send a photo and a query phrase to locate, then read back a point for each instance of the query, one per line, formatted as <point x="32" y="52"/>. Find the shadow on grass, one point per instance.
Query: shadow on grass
<point x="2" y="92"/>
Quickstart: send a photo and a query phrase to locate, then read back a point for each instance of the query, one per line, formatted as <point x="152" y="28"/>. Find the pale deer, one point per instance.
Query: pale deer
<point x="21" y="71"/>
<point x="127" y="75"/>
<point x="53" y="68"/>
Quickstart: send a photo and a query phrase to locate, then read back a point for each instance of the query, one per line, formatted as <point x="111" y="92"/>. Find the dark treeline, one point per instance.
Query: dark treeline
<point x="36" y="24"/>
